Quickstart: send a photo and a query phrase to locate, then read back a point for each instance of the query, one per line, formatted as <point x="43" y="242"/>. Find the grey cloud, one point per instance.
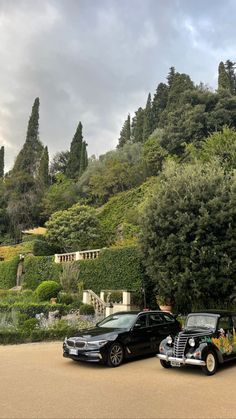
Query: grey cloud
<point x="96" y="60"/>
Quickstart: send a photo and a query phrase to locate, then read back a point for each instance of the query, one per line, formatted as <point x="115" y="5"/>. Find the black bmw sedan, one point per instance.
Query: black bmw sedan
<point x="120" y="336"/>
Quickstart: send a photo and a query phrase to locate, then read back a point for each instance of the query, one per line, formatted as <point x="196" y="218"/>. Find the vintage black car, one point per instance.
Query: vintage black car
<point x="121" y="335"/>
<point x="208" y="339"/>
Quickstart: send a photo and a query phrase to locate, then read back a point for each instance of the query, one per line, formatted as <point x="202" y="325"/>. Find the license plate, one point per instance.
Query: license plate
<point x="175" y="364"/>
<point x="73" y="351"/>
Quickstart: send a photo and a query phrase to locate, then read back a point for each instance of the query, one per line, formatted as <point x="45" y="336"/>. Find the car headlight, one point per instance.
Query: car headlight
<point x="96" y="344"/>
<point x="169" y="340"/>
<point x="191" y="342"/>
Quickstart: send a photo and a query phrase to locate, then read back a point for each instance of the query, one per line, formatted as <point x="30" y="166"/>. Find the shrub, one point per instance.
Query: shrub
<point x="47" y="290"/>
<point x="86" y="309"/>
<point x="64" y="298"/>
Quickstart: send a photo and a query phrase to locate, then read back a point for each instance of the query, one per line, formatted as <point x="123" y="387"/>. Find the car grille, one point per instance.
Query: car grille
<point x="180" y="345"/>
<point x="75" y="344"/>
<point x="80" y="344"/>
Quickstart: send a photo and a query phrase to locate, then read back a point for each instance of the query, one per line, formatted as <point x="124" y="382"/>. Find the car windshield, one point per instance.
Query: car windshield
<point x="202" y="321"/>
<point x="121" y="321"/>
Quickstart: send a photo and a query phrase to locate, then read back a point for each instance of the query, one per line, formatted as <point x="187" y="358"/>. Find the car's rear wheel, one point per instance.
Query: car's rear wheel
<point x="115" y="355"/>
<point x="211" y="363"/>
<point x="165" y="364"/>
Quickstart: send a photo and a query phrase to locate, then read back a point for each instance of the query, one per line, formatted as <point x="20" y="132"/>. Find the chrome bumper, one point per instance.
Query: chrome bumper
<point x="184" y="361"/>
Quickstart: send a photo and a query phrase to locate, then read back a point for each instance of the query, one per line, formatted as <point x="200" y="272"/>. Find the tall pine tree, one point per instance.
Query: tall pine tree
<point x="125" y="133"/>
<point x="73" y="165"/>
<point x="230" y="70"/>
<point x="29" y="157"/>
<point x="137" y="126"/>
<point x="148" y="119"/>
<point x="83" y="159"/>
<point x="223" y="78"/>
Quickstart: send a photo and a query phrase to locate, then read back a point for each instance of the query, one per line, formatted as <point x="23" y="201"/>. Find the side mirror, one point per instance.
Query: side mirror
<point x="137" y="326"/>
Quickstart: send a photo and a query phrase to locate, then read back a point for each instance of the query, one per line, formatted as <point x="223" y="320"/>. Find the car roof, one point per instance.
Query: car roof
<point x="215" y="311"/>
<point x="136" y="312"/>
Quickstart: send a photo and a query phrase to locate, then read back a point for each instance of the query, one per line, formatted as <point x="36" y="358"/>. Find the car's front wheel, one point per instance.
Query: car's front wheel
<point x="165" y="364"/>
<point x="115" y="355"/>
<point x="211" y="363"/>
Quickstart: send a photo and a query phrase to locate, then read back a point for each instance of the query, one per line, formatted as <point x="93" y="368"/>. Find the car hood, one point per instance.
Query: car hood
<point x="196" y="331"/>
<point x="97" y="333"/>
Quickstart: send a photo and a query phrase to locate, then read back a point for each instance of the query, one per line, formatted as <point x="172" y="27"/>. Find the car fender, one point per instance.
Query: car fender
<point x="205" y="347"/>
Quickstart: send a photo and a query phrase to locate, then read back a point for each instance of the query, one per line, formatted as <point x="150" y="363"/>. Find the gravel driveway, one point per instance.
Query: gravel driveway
<point x="37" y="382"/>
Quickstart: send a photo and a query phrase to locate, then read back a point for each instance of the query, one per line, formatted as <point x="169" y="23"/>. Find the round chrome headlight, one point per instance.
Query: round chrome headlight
<point x="191" y="342"/>
<point x="169" y="340"/>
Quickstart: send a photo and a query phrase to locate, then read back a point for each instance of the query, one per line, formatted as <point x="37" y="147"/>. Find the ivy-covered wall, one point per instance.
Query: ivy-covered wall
<point x="116" y="268"/>
<point x="8" y="271"/>
<point x="38" y="269"/>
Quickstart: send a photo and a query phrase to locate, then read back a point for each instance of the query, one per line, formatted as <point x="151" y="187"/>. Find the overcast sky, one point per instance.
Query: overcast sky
<point x="95" y="61"/>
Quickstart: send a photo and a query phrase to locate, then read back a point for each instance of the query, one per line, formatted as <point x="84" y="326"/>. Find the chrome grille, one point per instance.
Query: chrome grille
<point x="70" y="343"/>
<point x="180" y="345"/>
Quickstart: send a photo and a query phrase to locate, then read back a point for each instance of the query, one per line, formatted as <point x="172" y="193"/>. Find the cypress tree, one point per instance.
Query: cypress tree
<point x="2" y="162"/>
<point x="159" y="103"/>
<point x="148" y="119"/>
<point x="229" y="68"/>
<point x="84" y="158"/>
<point x="125" y="133"/>
<point x="171" y="76"/>
<point x="73" y="165"/>
<point x="137" y="126"/>
<point x="43" y="175"/>
<point x="223" y="78"/>
<point x="28" y="158"/>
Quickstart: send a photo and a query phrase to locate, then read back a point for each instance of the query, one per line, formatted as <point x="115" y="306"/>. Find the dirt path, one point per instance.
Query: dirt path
<point x="37" y="382"/>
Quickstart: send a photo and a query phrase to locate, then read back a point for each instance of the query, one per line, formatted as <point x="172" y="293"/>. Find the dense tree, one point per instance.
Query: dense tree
<point x="83" y="158"/>
<point x="159" y="103"/>
<point x="73" y="165"/>
<point x="59" y="163"/>
<point x="114" y="172"/>
<point x="59" y="196"/>
<point x="29" y="157"/>
<point x="2" y="162"/>
<point x="77" y="228"/>
<point x="125" y="134"/>
<point x="153" y="154"/>
<point x="137" y="126"/>
<point x="148" y="119"/>
<point x="223" y="77"/>
<point x="43" y="173"/>
<point x="189" y="235"/>
<point x="230" y="70"/>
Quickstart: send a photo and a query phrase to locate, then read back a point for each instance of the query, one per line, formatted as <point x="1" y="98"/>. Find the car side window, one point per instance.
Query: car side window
<point x="168" y="318"/>
<point x="141" y="321"/>
<point x="225" y="323"/>
<point x="155" y="319"/>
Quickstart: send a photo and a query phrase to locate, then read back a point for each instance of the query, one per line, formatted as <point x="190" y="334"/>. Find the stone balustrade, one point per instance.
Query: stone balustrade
<point x="73" y="256"/>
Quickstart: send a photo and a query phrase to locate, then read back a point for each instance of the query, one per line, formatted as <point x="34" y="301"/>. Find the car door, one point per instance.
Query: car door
<point x="226" y="336"/>
<point x="139" y="336"/>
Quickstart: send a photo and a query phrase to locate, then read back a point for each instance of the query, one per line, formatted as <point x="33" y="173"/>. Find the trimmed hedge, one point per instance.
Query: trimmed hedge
<point x="8" y="271"/>
<point x="36" y="335"/>
<point x="116" y="268"/>
<point x="38" y="269"/>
